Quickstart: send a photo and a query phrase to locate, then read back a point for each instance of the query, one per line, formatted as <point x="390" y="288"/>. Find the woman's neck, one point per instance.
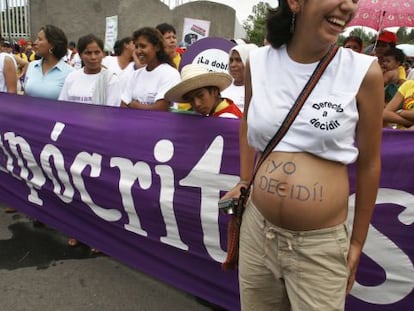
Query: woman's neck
<point x="124" y="59"/>
<point x="91" y="71"/>
<point x="238" y="82"/>
<point x="304" y="53"/>
<point x="151" y="66"/>
<point x="49" y="62"/>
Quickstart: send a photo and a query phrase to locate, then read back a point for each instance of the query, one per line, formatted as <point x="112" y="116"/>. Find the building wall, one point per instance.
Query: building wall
<point x="80" y="17"/>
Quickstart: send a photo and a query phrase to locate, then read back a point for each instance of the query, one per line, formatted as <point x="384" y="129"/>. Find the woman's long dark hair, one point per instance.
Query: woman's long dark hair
<point x="278" y="24"/>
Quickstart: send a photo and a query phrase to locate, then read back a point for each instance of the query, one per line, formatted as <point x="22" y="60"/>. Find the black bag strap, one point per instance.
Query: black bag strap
<point x="294" y="111"/>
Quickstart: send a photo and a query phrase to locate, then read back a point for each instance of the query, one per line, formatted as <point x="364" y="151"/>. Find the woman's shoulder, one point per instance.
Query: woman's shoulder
<point x="263" y="50"/>
<point x="76" y="74"/>
<point x="35" y="63"/>
<point x="109" y="59"/>
<point x="167" y="68"/>
<point x="109" y="75"/>
<point x="353" y="56"/>
<point x="166" y="71"/>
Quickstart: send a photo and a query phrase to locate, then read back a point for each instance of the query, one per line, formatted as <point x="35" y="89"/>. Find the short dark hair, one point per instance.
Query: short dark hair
<point x="5" y="43"/>
<point x="85" y="40"/>
<point x="356" y="39"/>
<point x="164" y="28"/>
<point x="57" y="39"/>
<point x="120" y="45"/>
<point x="398" y="54"/>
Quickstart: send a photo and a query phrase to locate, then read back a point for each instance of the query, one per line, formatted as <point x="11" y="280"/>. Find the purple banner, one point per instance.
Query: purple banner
<point x="143" y="187"/>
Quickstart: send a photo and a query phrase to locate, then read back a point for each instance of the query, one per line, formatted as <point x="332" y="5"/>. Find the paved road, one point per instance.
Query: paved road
<point x="39" y="272"/>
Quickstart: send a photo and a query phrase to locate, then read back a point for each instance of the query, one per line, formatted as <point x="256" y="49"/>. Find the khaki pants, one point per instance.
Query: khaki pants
<point x="281" y="269"/>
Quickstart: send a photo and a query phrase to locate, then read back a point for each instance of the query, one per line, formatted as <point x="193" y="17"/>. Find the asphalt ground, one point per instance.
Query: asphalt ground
<point x="40" y="272"/>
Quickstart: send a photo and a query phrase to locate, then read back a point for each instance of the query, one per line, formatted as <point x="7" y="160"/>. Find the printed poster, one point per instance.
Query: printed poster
<point x="111" y="32"/>
<point x="194" y="30"/>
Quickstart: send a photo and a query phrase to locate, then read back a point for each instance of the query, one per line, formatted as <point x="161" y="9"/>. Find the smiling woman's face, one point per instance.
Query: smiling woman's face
<point x="146" y="51"/>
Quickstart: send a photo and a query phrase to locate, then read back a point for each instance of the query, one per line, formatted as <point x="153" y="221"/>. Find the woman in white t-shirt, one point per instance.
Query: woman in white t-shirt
<point x="92" y="84"/>
<point x="122" y="64"/>
<point x="237" y="59"/>
<point x="147" y="86"/>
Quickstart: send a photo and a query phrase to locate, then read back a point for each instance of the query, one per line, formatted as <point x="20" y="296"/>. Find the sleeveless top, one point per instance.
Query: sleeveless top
<point x="325" y="126"/>
<point x="3" y="55"/>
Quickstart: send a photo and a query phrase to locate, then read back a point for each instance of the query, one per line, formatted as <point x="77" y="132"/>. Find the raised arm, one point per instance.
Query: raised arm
<point x="159" y="105"/>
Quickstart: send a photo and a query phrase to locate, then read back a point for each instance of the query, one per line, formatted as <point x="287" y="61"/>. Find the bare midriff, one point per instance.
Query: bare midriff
<point x="299" y="191"/>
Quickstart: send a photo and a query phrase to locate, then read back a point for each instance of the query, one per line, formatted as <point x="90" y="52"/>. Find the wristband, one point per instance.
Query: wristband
<point x="243" y="182"/>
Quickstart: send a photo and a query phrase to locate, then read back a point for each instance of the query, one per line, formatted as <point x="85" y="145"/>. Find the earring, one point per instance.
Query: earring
<point x="292" y="23"/>
<point x="50" y="51"/>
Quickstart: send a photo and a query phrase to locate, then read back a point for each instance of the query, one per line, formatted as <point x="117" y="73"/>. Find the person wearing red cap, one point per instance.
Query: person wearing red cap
<point x="22" y="42"/>
<point x="386" y="40"/>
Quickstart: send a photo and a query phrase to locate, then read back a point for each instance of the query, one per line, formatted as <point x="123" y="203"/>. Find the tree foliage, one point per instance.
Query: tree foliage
<point x="255" y="25"/>
<point x="367" y="37"/>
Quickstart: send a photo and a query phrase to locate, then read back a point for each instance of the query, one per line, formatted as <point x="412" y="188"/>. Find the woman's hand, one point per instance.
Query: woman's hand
<point x="353" y="260"/>
<point x="235" y="191"/>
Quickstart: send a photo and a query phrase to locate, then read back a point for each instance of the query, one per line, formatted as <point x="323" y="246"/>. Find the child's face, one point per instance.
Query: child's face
<point x="389" y="63"/>
<point x="203" y="100"/>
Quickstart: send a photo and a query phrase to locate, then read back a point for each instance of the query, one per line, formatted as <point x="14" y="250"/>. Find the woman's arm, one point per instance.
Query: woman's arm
<point x="390" y="114"/>
<point x="408" y="115"/>
<point x="22" y="63"/>
<point x="368" y="165"/>
<point x="247" y="153"/>
<point x="10" y="77"/>
<point x="159" y="105"/>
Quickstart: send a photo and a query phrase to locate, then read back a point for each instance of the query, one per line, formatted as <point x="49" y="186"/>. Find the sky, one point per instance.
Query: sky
<point x="244" y="7"/>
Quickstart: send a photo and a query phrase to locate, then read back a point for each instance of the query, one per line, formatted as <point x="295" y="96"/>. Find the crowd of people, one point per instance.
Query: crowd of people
<point x="137" y="75"/>
<point x="397" y="73"/>
<point x="145" y="66"/>
<point x="259" y="89"/>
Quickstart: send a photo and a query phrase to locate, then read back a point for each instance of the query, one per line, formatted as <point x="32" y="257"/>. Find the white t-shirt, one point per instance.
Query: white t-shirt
<point x="149" y="86"/>
<point x="79" y="87"/>
<point x="76" y="61"/>
<point x="236" y="94"/>
<point x="3" y="87"/>
<point x="111" y="62"/>
<point x="325" y="125"/>
<point x="410" y="75"/>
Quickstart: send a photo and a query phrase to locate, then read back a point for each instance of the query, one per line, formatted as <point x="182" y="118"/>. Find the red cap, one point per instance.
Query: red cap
<point x="387" y="37"/>
<point x="22" y="42"/>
